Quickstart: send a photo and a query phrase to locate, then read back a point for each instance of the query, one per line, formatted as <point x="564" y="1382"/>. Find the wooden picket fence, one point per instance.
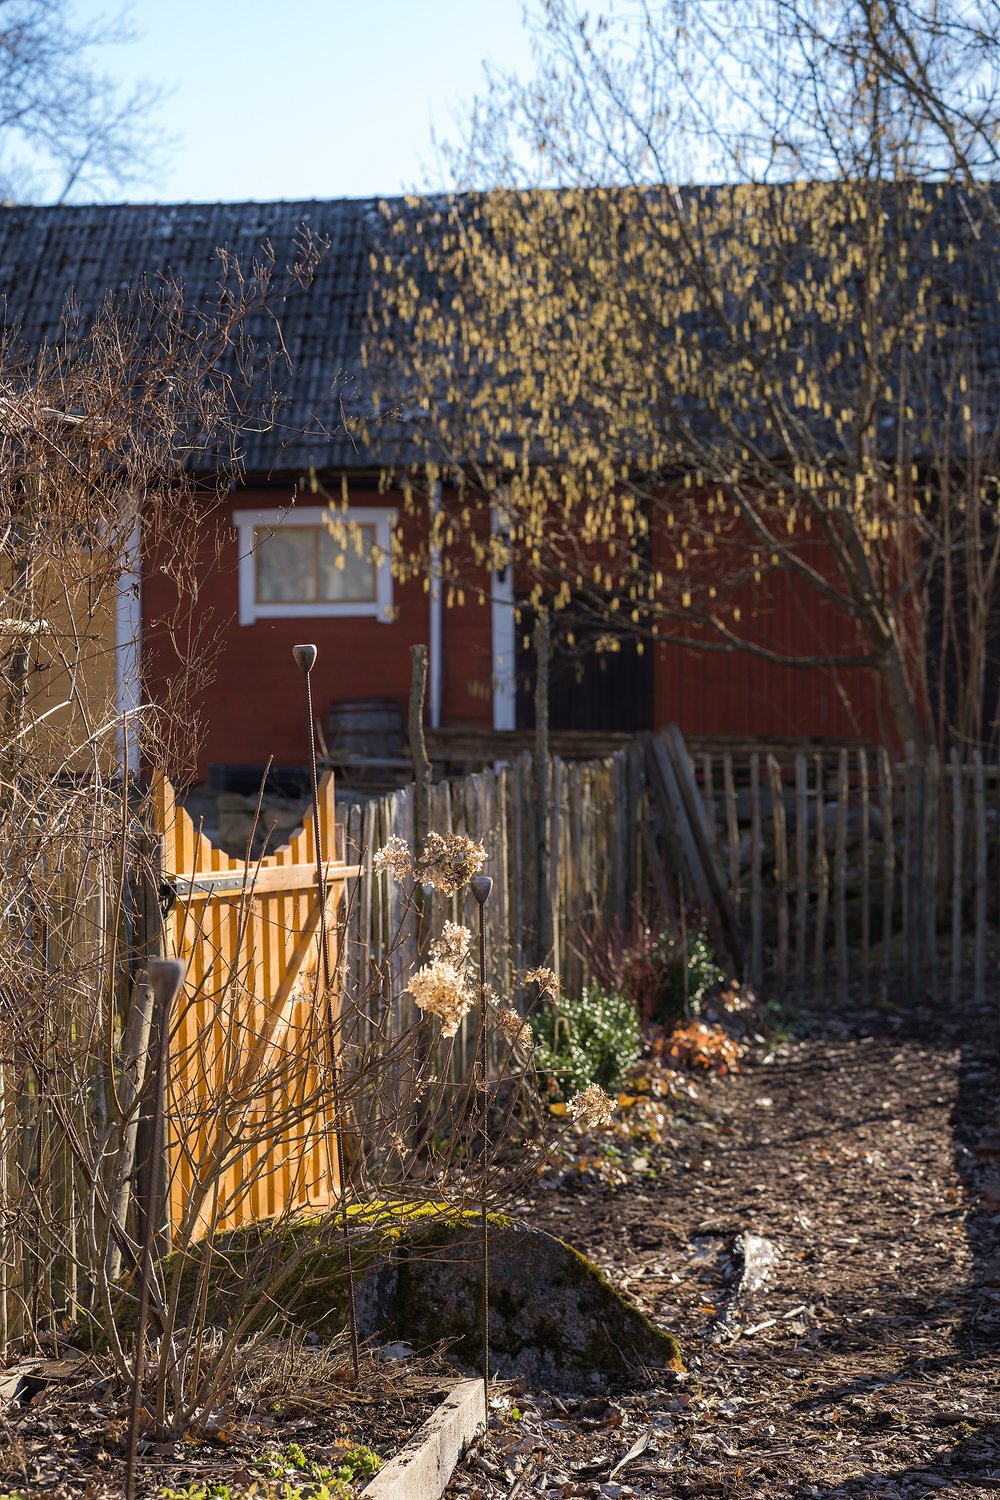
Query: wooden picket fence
<point x="593" y="865"/>
<point x="833" y="865"/>
<point x="845" y="865"/>
<point x="248" y="1128"/>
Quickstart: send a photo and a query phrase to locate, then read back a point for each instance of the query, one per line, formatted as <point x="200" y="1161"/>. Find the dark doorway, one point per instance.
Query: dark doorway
<point x="599" y="679"/>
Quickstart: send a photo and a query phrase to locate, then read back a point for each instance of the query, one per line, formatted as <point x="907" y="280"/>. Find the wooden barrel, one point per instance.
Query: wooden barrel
<point x="364" y="729"/>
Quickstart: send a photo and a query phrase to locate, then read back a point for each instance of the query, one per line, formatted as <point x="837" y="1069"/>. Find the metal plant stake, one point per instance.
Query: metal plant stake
<point x="164" y="977"/>
<point x="482" y="885"/>
<point x="305" y="660"/>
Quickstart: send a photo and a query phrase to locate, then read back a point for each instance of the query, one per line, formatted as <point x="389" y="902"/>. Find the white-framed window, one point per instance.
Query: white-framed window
<point x="309" y="561"/>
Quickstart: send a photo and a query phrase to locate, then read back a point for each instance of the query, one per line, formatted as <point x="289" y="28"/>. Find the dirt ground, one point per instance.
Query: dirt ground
<point x="862" y="1151"/>
<point x="866" y="1153"/>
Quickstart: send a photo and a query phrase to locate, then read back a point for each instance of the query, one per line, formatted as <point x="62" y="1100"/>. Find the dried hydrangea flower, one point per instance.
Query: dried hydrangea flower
<point x="394" y="856"/>
<point x="591" y="1107"/>
<point x="439" y="988"/>
<point x="513" y="1028"/>
<point x="453" y="944"/>
<point x="547" y="982"/>
<point x="450" y="861"/>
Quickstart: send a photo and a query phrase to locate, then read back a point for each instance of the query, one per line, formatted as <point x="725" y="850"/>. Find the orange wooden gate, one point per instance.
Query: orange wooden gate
<point x="250" y="1128"/>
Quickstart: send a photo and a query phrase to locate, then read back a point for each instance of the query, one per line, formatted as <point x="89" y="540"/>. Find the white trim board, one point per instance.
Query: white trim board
<point x="504" y="646"/>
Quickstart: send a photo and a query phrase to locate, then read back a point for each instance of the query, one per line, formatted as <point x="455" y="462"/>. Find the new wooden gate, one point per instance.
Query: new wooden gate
<point x="250" y="1130"/>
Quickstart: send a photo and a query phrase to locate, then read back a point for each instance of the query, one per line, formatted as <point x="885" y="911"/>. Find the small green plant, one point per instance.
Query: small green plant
<point x="208" y="1492"/>
<point x="290" y="1474"/>
<point x="592" y="1039"/>
<point x="664" y="975"/>
<point x="687" y="973"/>
<point x="349" y="1464"/>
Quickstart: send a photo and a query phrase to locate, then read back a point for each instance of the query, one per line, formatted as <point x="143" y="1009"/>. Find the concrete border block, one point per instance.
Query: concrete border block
<point x="422" y="1468"/>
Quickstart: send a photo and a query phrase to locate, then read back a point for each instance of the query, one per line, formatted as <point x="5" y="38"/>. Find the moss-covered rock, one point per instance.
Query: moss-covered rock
<point x="555" y="1320"/>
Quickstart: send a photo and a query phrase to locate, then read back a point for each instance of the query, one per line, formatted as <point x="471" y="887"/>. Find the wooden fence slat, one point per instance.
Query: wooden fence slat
<point x="780" y="867"/>
<point x="732" y="830"/>
<point x="694" y="808"/>
<point x="864" y="852"/>
<point x="840" y="877"/>
<point x="979" y="875"/>
<point x="888" y="863"/>
<point x="931" y="855"/>
<point x="957" y="870"/>
<point x="708" y="796"/>
<point x="913" y="886"/>
<point x="822" y="883"/>
<point x="679" y="838"/>
<point x="801" y="864"/>
<point x="756" y="894"/>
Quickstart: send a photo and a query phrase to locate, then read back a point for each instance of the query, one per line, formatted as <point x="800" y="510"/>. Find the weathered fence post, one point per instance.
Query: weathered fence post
<point x="840" y="877"/>
<point x="957" y="854"/>
<point x="801" y="864"/>
<point x="543" y="647"/>
<point x="888" y="862"/>
<point x="979" y="821"/>
<point x="780" y="866"/>
<point x="822" y="883"/>
<point x="756" y="911"/>
<point x="866" y="924"/>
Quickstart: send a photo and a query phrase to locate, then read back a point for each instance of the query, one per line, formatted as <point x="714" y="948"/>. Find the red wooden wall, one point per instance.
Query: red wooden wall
<point x="252" y="710"/>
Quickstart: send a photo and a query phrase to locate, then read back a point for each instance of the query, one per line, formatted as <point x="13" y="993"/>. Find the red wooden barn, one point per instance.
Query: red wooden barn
<point x="270" y="573"/>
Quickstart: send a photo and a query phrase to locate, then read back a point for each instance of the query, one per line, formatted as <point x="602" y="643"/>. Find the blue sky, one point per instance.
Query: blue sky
<point x="306" y="99"/>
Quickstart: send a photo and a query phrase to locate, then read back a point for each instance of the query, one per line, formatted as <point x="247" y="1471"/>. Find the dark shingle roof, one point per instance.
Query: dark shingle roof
<point x="48" y="253"/>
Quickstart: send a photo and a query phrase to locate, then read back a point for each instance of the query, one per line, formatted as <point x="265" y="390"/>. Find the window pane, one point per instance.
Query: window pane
<point x="286" y="570"/>
<point x="346" y="566"/>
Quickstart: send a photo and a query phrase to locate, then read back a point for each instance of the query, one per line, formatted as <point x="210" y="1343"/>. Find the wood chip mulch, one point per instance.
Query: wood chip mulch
<point x="65" y="1440"/>
<point x="863" y="1160"/>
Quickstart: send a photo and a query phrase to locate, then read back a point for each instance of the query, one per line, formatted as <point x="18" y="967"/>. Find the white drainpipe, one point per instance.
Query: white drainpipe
<point x="436" y="647"/>
<point x="504" y="642"/>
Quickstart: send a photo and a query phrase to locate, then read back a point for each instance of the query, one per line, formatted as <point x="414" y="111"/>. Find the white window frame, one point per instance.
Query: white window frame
<point x="247" y="522"/>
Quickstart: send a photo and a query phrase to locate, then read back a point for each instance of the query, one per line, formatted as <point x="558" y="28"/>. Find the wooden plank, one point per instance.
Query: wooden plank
<point x="865" y="884"/>
<point x="619" y="813"/>
<point x="756" y="894"/>
<point x="932" y="823"/>
<point x="708" y="796"/>
<point x="801" y="864"/>
<point x="226" y="884"/>
<point x="913" y="882"/>
<point x="638" y="798"/>
<point x="422" y="1468"/>
<point x="957" y="870"/>
<point x="679" y="839"/>
<point x="979" y="877"/>
<point x="556" y="865"/>
<point x="658" y="875"/>
<point x="780" y="866"/>
<point x="840" y="877"/>
<point x="822" y="884"/>
<point x="732" y="831"/>
<point x="704" y="845"/>
<point x="888" y="863"/>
